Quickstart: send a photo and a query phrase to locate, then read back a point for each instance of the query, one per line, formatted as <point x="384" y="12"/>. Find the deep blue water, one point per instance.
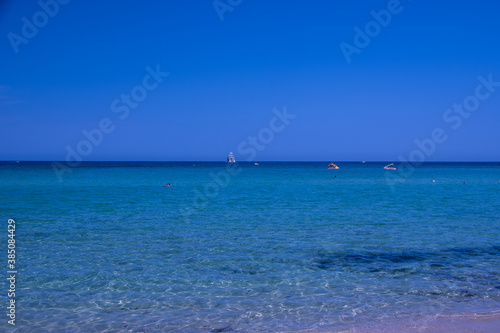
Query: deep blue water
<point x="275" y="247"/>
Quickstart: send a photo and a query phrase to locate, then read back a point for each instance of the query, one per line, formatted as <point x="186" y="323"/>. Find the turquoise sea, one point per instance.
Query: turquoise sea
<point x="278" y="247"/>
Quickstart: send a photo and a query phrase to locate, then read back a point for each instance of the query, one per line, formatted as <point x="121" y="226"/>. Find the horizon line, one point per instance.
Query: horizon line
<point x="259" y="161"/>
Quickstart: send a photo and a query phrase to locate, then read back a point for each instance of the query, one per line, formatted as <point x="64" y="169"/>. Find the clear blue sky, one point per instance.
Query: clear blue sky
<point x="227" y="76"/>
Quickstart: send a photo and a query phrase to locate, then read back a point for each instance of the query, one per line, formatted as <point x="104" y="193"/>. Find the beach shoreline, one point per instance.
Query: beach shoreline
<point x="440" y="323"/>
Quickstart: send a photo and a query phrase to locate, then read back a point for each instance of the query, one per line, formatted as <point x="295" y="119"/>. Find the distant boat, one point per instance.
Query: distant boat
<point x="332" y="166"/>
<point x="230" y="158"/>
<point x="390" y="167"/>
<point x="363" y="162"/>
<point x="256" y="163"/>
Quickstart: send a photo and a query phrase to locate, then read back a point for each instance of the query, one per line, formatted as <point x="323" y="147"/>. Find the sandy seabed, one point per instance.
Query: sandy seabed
<point x="464" y="323"/>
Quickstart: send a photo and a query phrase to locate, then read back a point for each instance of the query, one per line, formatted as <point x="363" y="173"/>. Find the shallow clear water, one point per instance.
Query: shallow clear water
<point x="276" y="247"/>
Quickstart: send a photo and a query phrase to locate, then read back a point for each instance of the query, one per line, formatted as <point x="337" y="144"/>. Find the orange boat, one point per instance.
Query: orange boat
<point x="390" y="167"/>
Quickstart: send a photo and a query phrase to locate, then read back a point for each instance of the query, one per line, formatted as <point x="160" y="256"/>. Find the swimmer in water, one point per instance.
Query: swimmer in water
<point x="168" y="185"/>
